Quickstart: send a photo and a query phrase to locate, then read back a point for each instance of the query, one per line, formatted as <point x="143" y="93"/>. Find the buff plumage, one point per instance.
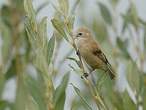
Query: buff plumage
<point x="91" y="52"/>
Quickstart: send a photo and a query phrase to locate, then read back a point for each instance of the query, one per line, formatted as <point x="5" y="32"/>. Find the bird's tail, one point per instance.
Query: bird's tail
<point x="111" y="72"/>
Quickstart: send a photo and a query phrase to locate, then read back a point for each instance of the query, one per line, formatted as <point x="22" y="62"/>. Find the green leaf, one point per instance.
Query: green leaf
<point x="3" y="105"/>
<point x="11" y="72"/>
<point x="43" y="32"/>
<point x="31" y="25"/>
<point x="29" y="9"/>
<point x="69" y="23"/>
<point x="125" y="23"/>
<point x="131" y="17"/>
<point x="6" y="33"/>
<point x="100" y="29"/>
<point x="74" y="7"/>
<point x="21" y="94"/>
<point x="32" y="104"/>
<point x="144" y="102"/>
<point x="134" y="16"/>
<point x="36" y="91"/>
<point x="2" y="83"/>
<point x="64" y="6"/>
<point x="144" y="94"/>
<point x="51" y="45"/>
<point x="76" y="104"/>
<point x="6" y="13"/>
<point x="105" y="13"/>
<point x="144" y="39"/>
<point x="31" y="29"/>
<point x="114" y="2"/>
<point x="133" y="76"/>
<point x="75" y="60"/>
<point x="59" y="94"/>
<point x="87" y="106"/>
<point x="123" y="47"/>
<point x="59" y="26"/>
<point x="128" y="101"/>
<point x="111" y="98"/>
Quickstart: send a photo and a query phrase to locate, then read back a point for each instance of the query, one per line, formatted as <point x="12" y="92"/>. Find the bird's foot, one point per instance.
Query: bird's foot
<point x="85" y="75"/>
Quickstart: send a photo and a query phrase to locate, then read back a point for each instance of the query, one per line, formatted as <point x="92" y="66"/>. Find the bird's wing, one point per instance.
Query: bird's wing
<point x="97" y="52"/>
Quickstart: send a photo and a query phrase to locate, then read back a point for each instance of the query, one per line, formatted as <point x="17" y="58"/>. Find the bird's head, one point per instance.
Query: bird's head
<point x="82" y="33"/>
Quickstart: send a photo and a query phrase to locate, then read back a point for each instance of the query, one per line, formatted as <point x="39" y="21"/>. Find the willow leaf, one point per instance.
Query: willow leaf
<point x="82" y="98"/>
<point x="59" y="94"/>
<point x="29" y="8"/>
<point x="43" y="31"/>
<point x="51" y="45"/>
<point x="105" y="13"/>
<point x="59" y="26"/>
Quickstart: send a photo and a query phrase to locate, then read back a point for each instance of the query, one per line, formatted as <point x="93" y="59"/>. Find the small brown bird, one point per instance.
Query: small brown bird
<point x="91" y="52"/>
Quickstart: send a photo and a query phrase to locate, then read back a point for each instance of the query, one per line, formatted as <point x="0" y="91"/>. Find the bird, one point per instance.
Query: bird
<point x="89" y="49"/>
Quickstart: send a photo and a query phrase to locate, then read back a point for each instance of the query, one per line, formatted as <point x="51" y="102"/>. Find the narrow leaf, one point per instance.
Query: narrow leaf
<point x="59" y="94"/>
<point x="105" y="13"/>
<point x="29" y="8"/>
<point x="35" y="90"/>
<point x="3" y="104"/>
<point x="144" y="94"/>
<point x="5" y="34"/>
<point x="50" y="50"/>
<point x="123" y="47"/>
<point x="74" y="7"/>
<point x="75" y="60"/>
<point x="64" y="6"/>
<point x="70" y="23"/>
<point x="125" y="23"/>
<point x="127" y="100"/>
<point x="59" y="26"/>
<point x="133" y="15"/>
<point x="82" y="98"/>
<point x="43" y="31"/>
<point x="133" y="76"/>
<point x="2" y="83"/>
<point x="144" y="38"/>
<point x="100" y="29"/>
<point x="114" y="2"/>
<point x="21" y="93"/>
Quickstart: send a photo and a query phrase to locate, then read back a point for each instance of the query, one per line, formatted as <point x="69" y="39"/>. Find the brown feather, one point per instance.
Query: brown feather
<point x="101" y="55"/>
<point x="91" y="52"/>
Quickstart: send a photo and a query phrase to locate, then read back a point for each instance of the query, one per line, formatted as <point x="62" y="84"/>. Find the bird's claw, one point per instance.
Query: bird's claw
<point x="85" y="75"/>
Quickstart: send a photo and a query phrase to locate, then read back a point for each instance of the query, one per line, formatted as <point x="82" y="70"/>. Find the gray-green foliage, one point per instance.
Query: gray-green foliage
<point x="20" y="30"/>
<point x="85" y="103"/>
<point x="60" y="93"/>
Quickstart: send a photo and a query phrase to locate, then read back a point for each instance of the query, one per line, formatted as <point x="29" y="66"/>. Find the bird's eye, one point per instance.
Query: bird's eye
<point x="79" y="34"/>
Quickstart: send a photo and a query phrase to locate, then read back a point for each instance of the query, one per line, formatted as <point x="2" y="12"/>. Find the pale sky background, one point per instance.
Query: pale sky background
<point x="9" y="93"/>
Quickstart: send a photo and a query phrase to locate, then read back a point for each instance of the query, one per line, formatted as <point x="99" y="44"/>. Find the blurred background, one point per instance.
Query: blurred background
<point x="39" y="68"/>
